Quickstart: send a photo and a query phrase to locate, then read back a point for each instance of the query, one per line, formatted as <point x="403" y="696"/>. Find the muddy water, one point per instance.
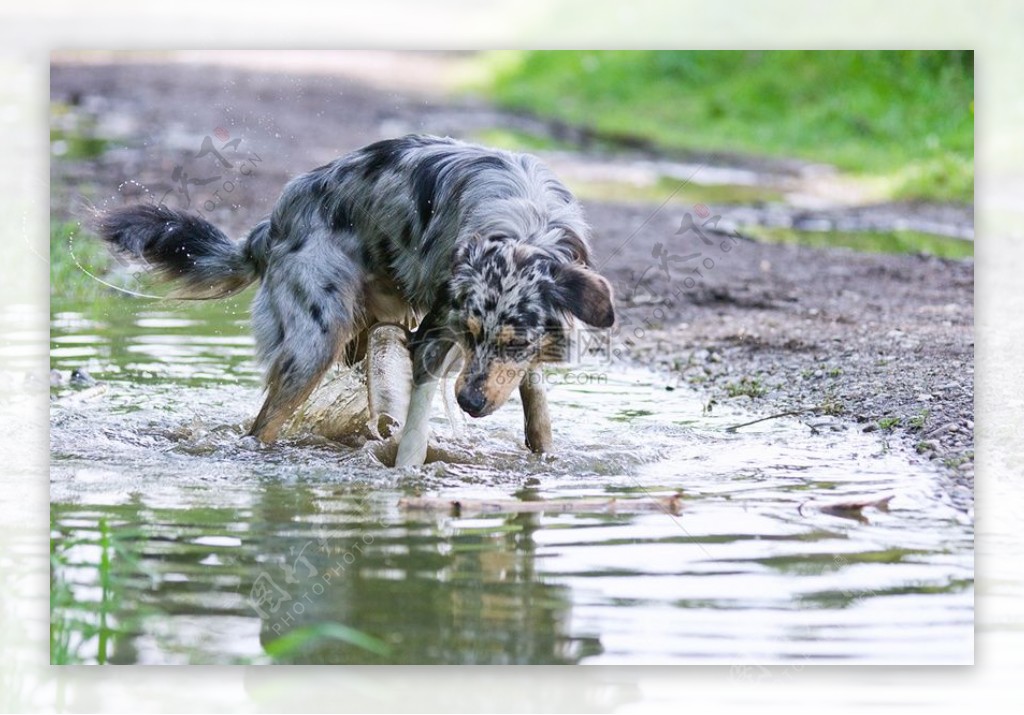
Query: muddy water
<point x="175" y="540"/>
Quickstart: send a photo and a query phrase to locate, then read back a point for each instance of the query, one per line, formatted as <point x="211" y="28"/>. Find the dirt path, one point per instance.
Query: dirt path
<point x="883" y="342"/>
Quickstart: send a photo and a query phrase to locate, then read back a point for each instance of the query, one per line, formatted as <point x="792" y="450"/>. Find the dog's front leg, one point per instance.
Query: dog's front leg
<point x="535" y="411"/>
<point x="412" y="448"/>
<point x="429" y="346"/>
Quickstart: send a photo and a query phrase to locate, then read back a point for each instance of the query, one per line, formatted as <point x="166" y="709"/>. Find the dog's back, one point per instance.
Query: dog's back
<point x="400" y="206"/>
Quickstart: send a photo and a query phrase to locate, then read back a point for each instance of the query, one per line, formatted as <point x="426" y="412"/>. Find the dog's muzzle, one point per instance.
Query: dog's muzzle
<point x="472" y="402"/>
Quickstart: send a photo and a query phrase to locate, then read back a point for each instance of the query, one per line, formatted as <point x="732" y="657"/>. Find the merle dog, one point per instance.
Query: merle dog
<point x="485" y="249"/>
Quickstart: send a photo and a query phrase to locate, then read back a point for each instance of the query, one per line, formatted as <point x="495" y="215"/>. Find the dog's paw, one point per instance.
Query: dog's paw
<point x="540" y="443"/>
<point x="410" y="457"/>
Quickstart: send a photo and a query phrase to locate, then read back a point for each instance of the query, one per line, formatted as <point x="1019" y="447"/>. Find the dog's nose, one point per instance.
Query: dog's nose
<point x="472" y="402"/>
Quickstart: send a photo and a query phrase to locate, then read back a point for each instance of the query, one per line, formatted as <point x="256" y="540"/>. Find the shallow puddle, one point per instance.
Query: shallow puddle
<point x="175" y="540"/>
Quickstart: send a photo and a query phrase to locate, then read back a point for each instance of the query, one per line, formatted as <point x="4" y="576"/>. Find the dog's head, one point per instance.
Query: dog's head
<point x="512" y="307"/>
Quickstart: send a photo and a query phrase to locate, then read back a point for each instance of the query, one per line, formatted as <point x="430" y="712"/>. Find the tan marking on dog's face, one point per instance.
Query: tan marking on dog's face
<point x="502" y="378"/>
<point x="474" y="326"/>
<point x="506" y="334"/>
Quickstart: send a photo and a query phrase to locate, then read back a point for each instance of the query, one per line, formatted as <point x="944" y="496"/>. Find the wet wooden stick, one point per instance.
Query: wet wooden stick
<point x="459" y="507"/>
<point x="765" y="419"/>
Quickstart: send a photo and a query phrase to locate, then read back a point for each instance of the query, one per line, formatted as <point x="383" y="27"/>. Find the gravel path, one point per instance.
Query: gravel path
<point x="885" y="342"/>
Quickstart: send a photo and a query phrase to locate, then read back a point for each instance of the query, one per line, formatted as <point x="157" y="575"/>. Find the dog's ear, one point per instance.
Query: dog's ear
<point x="585" y="294"/>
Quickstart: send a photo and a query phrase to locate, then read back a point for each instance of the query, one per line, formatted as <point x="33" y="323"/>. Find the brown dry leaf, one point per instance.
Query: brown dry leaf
<point x="851" y="509"/>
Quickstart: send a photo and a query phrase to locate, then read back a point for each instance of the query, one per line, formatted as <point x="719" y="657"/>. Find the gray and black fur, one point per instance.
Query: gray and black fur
<point x="485" y="249"/>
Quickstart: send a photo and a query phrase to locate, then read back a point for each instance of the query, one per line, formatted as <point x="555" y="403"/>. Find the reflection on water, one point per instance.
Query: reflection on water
<point x="220" y="583"/>
<point x="174" y="540"/>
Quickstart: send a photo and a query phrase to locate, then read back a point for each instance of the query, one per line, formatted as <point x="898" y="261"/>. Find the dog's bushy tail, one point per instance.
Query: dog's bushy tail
<point x="185" y="249"/>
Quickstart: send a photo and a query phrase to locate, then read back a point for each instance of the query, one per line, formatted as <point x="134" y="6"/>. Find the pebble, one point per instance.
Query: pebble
<point x="81" y="377"/>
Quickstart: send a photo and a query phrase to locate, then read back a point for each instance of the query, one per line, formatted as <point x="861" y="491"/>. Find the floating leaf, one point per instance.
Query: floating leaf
<point x="850" y="509"/>
<point x="304" y="635"/>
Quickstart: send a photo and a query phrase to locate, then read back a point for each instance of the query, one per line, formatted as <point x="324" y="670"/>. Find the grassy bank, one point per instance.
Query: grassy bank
<point x="867" y="241"/>
<point x="71" y="251"/>
<point x="906" y="116"/>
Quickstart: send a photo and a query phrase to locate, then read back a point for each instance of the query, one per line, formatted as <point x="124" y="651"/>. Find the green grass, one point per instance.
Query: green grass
<point x="832" y="405"/>
<point x="888" y="423"/>
<point x="918" y="421"/>
<point x="668" y="189"/>
<point x="954" y="462"/>
<point x="68" y="145"/>
<point x="867" y="241"/>
<point x="905" y="115"/>
<point x="949" y="177"/>
<point x="516" y="140"/>
<point x="83" y="632"/>
<point x="71" y="250"/>
<point x="665" y="188"/>
<point x="72" y="136"/>
<point x="748" y="386"/>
